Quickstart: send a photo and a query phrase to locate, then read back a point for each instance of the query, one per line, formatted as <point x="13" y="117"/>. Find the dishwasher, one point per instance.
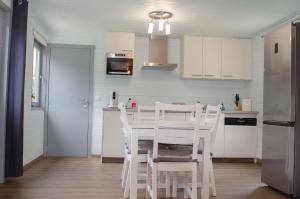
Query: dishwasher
<point x="240" y="137"/>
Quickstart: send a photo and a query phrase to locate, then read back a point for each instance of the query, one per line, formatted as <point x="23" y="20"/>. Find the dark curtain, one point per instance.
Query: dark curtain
<point x="15" y="95"/>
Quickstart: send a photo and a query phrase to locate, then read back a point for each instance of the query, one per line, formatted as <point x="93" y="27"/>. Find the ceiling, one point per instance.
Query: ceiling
<point x="234" y="18"/>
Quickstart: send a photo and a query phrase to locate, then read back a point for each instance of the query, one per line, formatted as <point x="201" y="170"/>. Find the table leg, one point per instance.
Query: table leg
<point x="134" y="165"/>
<point x="205" y="168"/>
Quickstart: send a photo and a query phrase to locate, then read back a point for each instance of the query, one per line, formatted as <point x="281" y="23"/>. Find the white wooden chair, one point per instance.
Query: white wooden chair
<point x="211" y="119"/>
<point x="144" y="147"/>
<point x="145" y="113"/>
<point x="167" y="158"/>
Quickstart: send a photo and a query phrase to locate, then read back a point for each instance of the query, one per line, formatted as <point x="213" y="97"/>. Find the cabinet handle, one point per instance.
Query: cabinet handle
<point x="127" y="50"/>
<point x="194" y="75"/>
<point x="227" y="76"/>
<point x="209" y="75"/>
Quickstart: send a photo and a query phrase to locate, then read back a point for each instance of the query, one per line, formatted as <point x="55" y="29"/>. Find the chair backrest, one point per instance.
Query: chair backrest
<point x="146" y="113"/>
<point x="211" y="119"/>
<point x="124" y="121"/>
<point x="184" y="132"/>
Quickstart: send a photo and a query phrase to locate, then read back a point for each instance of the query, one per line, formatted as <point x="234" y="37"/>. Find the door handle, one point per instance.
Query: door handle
<point x="84" y="102"/>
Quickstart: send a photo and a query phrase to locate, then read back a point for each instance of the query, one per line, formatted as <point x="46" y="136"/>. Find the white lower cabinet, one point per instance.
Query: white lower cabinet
<point x="112" y="135"/>
<point x="240" y="141"/>
<point x="234" y="141"/>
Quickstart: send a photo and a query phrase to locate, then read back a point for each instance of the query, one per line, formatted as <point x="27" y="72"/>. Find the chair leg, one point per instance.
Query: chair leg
<point x="154" y="181"/>
<point x="186" y="195"/>
<point x="123" y="169"/>
<point x="194" y="181"/>
<point x="125" y="172"/>
<point x="168" y="185"/>
<point x="174" y="192"/>
<point x="148" y="182"/>
<point x="212" y="180"/>
<point x="127" y="184"/>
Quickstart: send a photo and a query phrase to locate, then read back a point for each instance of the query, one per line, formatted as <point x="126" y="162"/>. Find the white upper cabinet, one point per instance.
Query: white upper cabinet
<point x="120" y="42"/>
<point x="212" y="56"/>
<point x="236" y="59"/>
<point x="216" y="58"/>
<point x="192" y="57"/>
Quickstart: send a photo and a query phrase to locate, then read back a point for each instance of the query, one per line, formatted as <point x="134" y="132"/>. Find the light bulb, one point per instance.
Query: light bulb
<point x="150" y="27"/>
<point x="168" y="29"/>
<point x="161" y="24"/>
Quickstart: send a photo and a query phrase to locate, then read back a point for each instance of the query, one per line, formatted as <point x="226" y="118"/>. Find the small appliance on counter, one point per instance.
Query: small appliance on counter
<point x="246" y="105"/>
<point x="114" y="100"/>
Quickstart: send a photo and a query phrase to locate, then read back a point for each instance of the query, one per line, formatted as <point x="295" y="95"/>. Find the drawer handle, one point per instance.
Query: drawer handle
<point x="227" y="76"/>
<point x="196" y="75"/>
<point x="209" y="75"/>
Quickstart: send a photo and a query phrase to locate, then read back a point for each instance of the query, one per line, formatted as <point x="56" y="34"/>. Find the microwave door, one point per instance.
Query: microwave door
<point x="119" y="66"/>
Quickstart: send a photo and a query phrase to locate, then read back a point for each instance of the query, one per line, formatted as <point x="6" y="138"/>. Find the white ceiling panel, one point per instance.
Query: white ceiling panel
<point x="236" y="18"/>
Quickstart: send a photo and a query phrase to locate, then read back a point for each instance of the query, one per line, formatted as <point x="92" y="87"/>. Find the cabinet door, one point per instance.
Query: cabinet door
<point x="192" y="56"/>
<point x="212" y="48"/>
<point x="236" y="59"/>
<point x="120" y="42"/>
<point x="240" y="141"/>
<point x="218" y="150"/>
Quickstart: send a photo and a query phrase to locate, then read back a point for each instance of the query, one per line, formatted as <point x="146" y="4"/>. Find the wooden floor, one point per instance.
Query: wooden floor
<point x="79" y="178"/>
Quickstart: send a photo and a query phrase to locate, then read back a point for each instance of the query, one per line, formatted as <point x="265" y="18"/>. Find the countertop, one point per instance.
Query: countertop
<point x="224" y="112"/>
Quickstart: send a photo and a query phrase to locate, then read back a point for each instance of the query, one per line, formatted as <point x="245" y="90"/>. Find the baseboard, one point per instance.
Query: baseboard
<point x="234" y="160"/>
<point x="112" y="160"/>
<point x="30" y="164"/>
<point x="259" y="162"/>
<point x="95" y="156"/>
<point x="215" y="160"/>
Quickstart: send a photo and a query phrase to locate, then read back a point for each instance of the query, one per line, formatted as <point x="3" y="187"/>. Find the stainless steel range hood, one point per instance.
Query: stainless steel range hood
<point x="158" y="54"/>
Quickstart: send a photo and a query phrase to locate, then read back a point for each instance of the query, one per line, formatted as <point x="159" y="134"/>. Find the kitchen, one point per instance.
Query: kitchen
<point x="229" y="60"/>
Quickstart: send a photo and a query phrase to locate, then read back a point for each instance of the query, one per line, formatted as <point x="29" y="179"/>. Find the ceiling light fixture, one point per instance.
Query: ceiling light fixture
<point x="163" y="21"/>
<point x="168" y="28"/>
<point x="150" y="27"/>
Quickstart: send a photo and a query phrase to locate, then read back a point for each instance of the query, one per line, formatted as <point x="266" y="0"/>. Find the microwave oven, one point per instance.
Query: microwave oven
<point x="119" y="63"/>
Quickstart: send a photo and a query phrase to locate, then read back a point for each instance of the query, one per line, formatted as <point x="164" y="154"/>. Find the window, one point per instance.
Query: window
<point x="37" y="75"/>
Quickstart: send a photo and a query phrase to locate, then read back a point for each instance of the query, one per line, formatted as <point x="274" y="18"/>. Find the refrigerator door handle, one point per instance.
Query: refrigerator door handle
<point x="280" y="123"/>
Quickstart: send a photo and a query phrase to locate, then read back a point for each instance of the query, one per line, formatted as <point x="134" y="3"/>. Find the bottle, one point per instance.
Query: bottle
<point x="133" y="104"/>
<point x="128" y="105"/>
<point x="222" y="108"/>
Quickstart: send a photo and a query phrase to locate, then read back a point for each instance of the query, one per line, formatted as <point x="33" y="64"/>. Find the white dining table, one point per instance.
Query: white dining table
<point x="144" y="130"/>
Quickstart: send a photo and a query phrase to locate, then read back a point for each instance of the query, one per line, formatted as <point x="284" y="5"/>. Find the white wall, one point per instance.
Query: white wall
<point x="257" y="85"/>
<point x="33" y="118"/>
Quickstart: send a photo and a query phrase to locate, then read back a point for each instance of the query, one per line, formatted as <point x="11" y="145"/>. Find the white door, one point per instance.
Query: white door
<point x="69" y="97"/>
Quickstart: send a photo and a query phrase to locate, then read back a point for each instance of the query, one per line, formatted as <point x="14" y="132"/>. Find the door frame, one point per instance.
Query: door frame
<point x="91" y="92"/>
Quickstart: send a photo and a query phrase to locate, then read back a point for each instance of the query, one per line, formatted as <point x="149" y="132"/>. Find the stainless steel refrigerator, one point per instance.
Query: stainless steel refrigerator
<point x="281" y="129"/>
